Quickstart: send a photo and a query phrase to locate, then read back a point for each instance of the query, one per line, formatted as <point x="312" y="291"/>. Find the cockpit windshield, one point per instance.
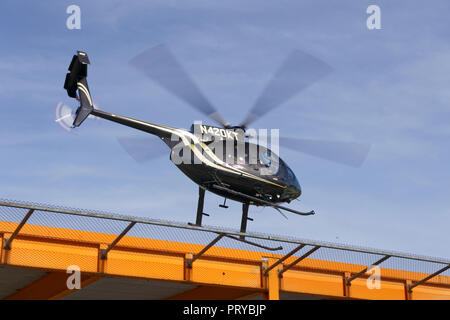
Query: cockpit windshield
<point x="268" y="161"/>
<point x="254" y="159"/>
<point x="259" y="160"/>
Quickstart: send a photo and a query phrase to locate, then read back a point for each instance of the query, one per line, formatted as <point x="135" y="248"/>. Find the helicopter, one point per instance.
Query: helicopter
<point x="255" y="175"/>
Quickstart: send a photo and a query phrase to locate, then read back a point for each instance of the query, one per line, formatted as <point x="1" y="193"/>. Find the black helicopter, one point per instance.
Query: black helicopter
<point x="253" y="178"/>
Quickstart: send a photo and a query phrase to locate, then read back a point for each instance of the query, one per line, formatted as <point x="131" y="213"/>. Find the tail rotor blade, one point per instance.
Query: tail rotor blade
<point x="296" y="73"/>
<point x="160" y="65"/>
<point x="64" y="116"/>
<point x="348" y="153"/>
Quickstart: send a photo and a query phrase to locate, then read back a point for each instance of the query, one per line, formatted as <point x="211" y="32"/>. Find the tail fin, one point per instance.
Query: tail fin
<point x="76" y="79"/>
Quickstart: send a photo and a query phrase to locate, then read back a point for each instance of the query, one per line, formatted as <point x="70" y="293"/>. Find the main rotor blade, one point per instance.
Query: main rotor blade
<point x="295" y="74"/>
<point x="349" y="153"/>
<point x="160" y="65"/>
<point x="143" y="149"/>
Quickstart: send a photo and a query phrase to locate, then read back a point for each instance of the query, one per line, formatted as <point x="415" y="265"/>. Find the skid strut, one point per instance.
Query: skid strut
<point x="201" y="202"/>
<point x="244" y="219"/>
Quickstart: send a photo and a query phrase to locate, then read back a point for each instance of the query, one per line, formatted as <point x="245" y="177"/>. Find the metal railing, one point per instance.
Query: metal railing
<point x="23" y="213"/>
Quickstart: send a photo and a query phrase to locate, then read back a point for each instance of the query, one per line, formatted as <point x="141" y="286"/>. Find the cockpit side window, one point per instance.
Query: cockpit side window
<point x="268" y="162"/>
<point x="256" y="159"/>
<point x="264" y="157"/>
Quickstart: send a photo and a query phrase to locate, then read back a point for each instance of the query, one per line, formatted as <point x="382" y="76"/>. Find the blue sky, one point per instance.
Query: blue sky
<point x="389" y="87"/>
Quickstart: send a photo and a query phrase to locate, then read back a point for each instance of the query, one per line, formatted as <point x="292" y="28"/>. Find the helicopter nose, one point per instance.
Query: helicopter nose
<point x="291" y="192"/>
<point x="297" y="190"/>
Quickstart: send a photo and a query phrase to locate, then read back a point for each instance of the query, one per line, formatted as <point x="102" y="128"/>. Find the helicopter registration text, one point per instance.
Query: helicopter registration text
<point x="224" y="133"/>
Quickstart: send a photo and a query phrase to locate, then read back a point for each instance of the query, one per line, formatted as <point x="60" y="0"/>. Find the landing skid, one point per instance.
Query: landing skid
<point x="260" y="201"/>
<point x="245" y="207"/>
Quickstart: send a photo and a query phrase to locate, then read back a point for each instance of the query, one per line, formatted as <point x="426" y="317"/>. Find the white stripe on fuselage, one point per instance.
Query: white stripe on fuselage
<point x="215" y="162"/>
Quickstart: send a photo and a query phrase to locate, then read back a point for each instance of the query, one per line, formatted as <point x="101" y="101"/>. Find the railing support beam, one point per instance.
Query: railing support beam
<point x="7" y="245"/>
<point x="418" y="283"/>
<point x="104" y="253"/>
<point x="286" y="268"/>
<point x="266" y="273"/>
<point x="189" y="262"/>
<point x="350" y="279"/>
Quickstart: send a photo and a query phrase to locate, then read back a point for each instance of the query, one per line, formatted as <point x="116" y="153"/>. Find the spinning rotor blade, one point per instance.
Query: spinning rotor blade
<point x="295" y="74"/>
<point x="281" y="212"/>
<point x="160" y="65"/>
<point x="64" y="116"/>
<point x="143" y="149"/>
<point x="349" y="153"/>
